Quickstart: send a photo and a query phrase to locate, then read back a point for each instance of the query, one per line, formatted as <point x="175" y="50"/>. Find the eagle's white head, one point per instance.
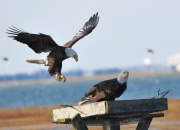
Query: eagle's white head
<point x="123" y="77"/>
<point x="71" y="53"/>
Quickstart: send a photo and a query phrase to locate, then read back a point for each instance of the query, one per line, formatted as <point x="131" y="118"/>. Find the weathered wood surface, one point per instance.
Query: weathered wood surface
<point x="110" y="109"/>
<point x="135" y="106"/>
<point x="99" y="120"/>
<point x="85" y="110"/>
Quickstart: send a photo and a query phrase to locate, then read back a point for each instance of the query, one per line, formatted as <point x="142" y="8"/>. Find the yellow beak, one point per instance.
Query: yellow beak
<point x="76" y="58"/>
<point x="126" y="74"/>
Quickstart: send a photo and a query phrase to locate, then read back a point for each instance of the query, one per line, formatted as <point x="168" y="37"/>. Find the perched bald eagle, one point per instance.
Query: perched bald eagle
<point x="107" y="90"/>
<point x="44" y="43"/>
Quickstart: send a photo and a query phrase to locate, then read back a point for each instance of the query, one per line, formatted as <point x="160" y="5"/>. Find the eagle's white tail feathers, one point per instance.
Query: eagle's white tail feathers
<point x="39" y="61"/>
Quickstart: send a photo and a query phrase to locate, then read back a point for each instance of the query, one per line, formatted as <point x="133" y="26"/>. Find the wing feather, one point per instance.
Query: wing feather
<point x="88" y="27"/>
<point x="51" y="68"/>
<point x="37" y="42"/>
<point x="91" y="91"/>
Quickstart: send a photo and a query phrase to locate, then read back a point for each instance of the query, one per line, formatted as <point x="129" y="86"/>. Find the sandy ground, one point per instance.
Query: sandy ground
<point x="38" y="118"/>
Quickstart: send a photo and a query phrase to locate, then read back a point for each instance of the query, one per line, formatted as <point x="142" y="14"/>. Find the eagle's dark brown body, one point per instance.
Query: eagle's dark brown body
<point x="44" y="43"/>
<point x="107" y="90"/>
<point x="57" y="55"/>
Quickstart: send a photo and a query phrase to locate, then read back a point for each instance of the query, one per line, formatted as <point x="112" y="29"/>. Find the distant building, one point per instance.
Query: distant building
<point x="174" y="62"/>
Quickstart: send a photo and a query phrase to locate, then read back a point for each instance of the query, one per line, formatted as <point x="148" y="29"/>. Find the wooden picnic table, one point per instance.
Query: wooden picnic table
<point x="111" y="114"/>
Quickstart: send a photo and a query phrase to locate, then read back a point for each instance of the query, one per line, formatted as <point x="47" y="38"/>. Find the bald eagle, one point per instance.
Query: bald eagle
<point x="6" y="60"/>
<point x="150" y="51"/>
<point x="107" y="90"/>
<point x="44" y="43"/>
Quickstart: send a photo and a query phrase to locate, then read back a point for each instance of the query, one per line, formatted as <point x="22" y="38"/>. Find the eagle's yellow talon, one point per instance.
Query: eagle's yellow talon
<point x="60" y="77"/>
<point x="63" y="78"/>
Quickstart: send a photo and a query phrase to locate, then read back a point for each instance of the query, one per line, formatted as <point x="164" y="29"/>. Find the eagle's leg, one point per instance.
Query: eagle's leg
<point x="63" y="78"/>
<point x="60" y="77"/>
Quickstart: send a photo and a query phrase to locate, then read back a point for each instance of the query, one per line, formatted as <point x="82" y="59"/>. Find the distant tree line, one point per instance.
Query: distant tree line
<point x="41" y="74"/>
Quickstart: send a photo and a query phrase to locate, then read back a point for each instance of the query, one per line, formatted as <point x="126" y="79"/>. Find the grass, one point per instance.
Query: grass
<point x="41" y="116"/>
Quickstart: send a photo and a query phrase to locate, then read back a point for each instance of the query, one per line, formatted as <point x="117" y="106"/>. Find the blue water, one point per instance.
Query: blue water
<point x="44" y="94"/>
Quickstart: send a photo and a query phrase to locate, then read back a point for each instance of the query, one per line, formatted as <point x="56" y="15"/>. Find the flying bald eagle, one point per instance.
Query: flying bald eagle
<point x="44" y="43"/>
<point x="107" y="90"/>
<point x="6" y="60"/>
<point x="150" y="51"/>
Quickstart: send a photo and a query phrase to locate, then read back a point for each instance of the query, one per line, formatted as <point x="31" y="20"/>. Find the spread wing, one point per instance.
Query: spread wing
<point x="37" y="42"/>
<point x="88" y="27"/>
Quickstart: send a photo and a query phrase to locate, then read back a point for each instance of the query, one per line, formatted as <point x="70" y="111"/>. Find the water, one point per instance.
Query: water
<point x="44" y="94"/>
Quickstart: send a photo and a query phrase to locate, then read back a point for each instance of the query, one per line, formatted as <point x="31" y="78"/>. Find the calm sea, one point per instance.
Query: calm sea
<point x="45" y="94"/>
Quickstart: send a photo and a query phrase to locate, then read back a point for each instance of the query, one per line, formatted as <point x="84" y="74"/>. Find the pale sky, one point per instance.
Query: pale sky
<point x="125" y="31"/>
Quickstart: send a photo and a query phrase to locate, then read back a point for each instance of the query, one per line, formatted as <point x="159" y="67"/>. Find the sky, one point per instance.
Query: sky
<point x="125" y="31"/>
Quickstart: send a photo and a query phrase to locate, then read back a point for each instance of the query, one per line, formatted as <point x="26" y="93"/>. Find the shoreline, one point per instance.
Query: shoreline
<point x="90" y="77"/>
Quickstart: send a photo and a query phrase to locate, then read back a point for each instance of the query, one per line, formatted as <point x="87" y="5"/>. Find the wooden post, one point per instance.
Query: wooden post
<point x="111" y="125"/>
<point x="144" y="123"/>
<point x="78" y="123"/>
